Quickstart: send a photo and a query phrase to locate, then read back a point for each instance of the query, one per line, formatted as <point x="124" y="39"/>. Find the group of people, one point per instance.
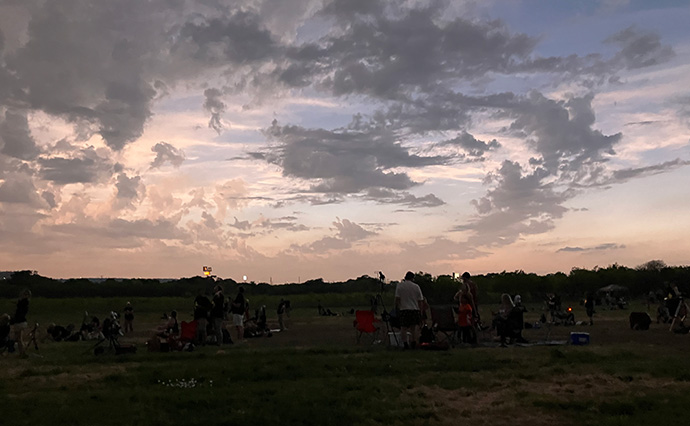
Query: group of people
<point x="410" y="306"/>
<point x="213" y="316"/>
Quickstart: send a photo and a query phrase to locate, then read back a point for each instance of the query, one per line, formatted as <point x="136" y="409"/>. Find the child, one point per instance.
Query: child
<point x="467" y="333"/>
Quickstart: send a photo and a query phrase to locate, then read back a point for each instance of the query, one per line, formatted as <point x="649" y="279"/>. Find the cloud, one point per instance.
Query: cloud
<point x="473" y="146"/>
<point x="342" y="161"/>
<point x="15" y="137"/>
<point x="350" y="231"/>
<point x="639" y="49"/>
<point x="386" y="196"/>
<point x="286" y="223"/>
<point x="127" y="187"/>
<point x="19" y="189"/>
<point x="167" y="153"/>
<point x="561" y="132"/>
<point x="611" y="177"/>
<point x="237" y="38"/>
<point x="216" y="107"/>
<point x="71" y="67"/>
<point x="519" y="204"/>
<point x="347" y="233"/>
<point x="600" y="247"/>
<point x="387" y="55"/>
<point x="85" y="167"/>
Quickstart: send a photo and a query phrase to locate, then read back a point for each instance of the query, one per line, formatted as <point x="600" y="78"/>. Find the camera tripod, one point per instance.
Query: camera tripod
<point x="385" y="315"/>
<point x="682" y="304"/>
<point x="32" y="337"/>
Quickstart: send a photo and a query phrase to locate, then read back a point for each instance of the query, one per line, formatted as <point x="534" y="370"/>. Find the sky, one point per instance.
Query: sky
<point x="302" y="139"/>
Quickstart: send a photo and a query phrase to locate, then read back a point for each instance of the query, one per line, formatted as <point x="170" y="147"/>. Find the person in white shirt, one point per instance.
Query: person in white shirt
<point x="409" y="302"/>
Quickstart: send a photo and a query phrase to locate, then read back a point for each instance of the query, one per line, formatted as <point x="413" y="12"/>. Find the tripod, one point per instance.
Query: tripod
<point x="32" y="336"/>
<point x="677" y="314"/>
<point x="386" y="318"/>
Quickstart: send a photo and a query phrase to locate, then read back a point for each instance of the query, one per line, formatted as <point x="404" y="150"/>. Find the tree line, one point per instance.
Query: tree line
<point x="653" y="276"/>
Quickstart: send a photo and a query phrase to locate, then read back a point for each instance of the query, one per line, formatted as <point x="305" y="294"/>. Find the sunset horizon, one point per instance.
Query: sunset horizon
<point x="332" y="139"/>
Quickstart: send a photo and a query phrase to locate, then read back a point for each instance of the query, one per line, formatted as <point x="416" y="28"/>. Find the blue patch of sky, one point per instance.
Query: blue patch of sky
<point x="569" y="27"/>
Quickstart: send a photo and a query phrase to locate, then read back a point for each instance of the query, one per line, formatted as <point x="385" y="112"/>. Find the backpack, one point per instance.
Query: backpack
<point x="426" y="335"/>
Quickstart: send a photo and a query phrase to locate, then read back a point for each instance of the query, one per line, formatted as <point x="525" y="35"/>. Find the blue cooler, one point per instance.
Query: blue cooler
<point x="579" y="338"/>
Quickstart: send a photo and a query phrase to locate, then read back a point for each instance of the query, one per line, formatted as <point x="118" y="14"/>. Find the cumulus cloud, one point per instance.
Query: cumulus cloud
<point x="343" y="161"/>
<point x="19" y="189"/>
<point x="420" y="81"/>
<point x="167" y="153"/>
<point x="86" y="166"/>
<point x="15" y="137"/>
<point x="519" y="203"/>
<point x="347" y="233"/>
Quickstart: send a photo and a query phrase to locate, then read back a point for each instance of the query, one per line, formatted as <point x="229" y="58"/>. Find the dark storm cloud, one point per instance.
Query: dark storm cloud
<point x="238" y="38"/>
<point x="85" y="62"/>
<point x="215" y="105"/>
<point x="15" y="137"/>
<point x="85" y="166"/>
<point x="387" y="56"/>
<point x="167" y="153"/>
<point x="343" y="161"/>
<point x="128" y="188"/>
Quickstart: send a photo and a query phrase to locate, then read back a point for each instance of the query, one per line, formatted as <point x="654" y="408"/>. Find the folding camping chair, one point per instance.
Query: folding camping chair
<point x="443" y="321"/>
<point x="366" y="322"/>
<point x="187" y="337"/>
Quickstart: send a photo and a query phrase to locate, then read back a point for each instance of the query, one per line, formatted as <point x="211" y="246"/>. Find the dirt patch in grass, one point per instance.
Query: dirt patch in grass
<point x="49" y="376"/>
<point x="513" y="404"/>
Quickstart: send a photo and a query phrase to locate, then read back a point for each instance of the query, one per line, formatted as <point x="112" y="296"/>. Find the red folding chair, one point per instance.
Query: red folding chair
<point x="366" y="322"/>
<point x="188" y="331"/>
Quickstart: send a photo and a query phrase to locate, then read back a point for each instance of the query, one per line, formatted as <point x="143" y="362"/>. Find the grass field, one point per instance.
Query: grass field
<point x="314" y="373"/>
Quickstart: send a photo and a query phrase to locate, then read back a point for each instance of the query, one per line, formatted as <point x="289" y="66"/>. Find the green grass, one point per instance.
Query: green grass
<point x="314" y="374"/>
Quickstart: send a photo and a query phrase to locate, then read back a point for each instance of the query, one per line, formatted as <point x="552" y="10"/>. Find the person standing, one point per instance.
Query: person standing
<point x="282" y="308"/>
<point x="218" y="313"/>
<point x="466" y="329"/>
<point x="238" y="308"/>
<point x="409" y="302"/>
<point x="589" y="307"/>
<point x="201" y="307"/>
<point x="19" y="322"/>
<point x="129" y="317"/>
